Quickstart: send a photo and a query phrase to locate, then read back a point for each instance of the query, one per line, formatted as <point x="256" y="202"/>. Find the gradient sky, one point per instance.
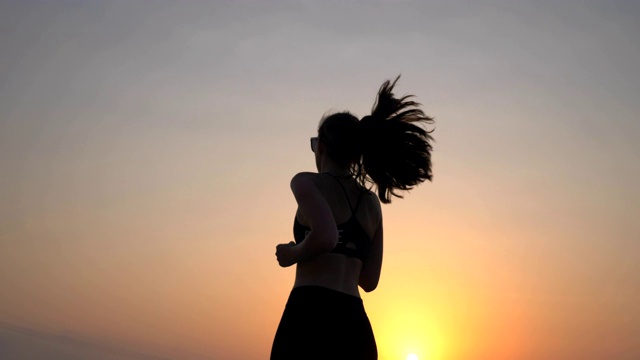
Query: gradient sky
<point x="146" y="149"/>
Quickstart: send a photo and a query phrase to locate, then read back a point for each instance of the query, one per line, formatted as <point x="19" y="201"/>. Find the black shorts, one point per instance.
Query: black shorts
<point x="320" y="323"/>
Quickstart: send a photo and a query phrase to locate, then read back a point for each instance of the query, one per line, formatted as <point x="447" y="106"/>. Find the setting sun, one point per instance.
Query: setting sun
<point x="412" y="357"/>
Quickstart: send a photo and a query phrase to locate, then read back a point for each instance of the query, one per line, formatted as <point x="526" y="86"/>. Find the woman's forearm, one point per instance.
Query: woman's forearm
<point x="315" y="244"/>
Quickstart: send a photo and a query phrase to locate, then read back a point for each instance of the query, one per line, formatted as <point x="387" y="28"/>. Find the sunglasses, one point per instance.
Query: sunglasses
<point x="314" y="144"/>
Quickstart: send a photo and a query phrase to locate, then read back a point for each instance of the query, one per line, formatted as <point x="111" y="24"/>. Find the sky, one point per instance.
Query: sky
<point x="146" y="150"/>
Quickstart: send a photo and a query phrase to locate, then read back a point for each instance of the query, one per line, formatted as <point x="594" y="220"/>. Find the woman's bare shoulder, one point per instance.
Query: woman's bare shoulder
<point x="304" y="180"/>
<point x="371" y="202"/>
<point x="369" y="195"/>
<point x="305" y="176"/>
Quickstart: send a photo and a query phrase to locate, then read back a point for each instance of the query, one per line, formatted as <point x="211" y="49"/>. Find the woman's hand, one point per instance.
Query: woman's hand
<point x="285" y="254"/>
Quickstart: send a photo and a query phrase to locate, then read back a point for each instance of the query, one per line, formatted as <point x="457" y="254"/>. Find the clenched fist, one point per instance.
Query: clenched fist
<point x="285" y="254"/>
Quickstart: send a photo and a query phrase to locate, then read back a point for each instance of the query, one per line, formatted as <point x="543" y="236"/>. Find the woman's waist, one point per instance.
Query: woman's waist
<point x="339" y="278"/>
<point x="322" y="297"/>
<point x="347" y="289"/>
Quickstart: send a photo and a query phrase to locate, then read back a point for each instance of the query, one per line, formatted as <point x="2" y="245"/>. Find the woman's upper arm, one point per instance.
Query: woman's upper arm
<point x="314" y="208"/>
<point x="370" y="273"/>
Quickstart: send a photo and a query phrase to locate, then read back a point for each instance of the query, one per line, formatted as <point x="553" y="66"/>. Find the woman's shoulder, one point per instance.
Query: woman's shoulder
<point x="372" y="199"/>
<point x="368" y="193"/>
<point x="304" y="176"/>
<point x="371" y="202"/>
<point x="304" y="180"/>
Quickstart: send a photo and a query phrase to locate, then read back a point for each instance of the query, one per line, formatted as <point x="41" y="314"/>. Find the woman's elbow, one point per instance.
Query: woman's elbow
<point x="329" y="239"/>
<point x="369" y="289"/>
<point x="368" y="286"/>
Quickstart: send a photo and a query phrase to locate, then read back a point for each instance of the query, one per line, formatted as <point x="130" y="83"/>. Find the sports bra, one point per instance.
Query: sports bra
<point x="353" y="241"/>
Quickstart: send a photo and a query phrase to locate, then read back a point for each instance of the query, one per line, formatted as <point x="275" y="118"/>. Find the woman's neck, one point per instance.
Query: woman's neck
<point x="335" y="170"/>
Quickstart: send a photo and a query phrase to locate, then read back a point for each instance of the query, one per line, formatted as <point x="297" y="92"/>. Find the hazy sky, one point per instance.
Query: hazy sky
<point x="146" y="149"/>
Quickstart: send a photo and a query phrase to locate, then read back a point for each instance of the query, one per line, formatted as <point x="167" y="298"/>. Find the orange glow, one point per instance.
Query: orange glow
<point x="146" y="150"/>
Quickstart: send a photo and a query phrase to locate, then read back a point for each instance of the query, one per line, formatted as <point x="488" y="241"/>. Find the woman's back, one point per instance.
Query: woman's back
<point x="351" y="206"/>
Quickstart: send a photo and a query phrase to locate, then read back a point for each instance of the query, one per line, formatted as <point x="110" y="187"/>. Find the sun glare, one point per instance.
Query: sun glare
<point x="412" y="357"/>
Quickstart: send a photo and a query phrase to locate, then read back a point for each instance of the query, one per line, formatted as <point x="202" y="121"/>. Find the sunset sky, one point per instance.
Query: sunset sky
<point x="146" y="149"/>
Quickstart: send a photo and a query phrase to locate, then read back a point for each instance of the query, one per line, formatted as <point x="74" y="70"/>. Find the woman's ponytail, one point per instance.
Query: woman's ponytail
<point x="396" y="152"/>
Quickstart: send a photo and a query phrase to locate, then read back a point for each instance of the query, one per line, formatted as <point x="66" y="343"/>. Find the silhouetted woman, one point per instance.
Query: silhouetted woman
<point x="338" y="225"/>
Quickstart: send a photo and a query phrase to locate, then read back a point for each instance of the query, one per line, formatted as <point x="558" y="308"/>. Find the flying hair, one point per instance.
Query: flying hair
<point x="396" y="150"/>
<point x="389" y="149"/>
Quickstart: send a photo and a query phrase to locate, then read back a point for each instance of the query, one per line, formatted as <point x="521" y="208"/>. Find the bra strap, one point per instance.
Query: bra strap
<point x="345" y="192"/>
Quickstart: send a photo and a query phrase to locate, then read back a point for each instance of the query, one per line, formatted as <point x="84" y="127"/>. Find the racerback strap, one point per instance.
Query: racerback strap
<point x="353" y="210"/>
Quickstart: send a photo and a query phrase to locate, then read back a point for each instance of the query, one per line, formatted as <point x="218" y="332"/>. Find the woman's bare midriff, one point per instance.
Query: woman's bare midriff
<point x="333" y="271"/>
